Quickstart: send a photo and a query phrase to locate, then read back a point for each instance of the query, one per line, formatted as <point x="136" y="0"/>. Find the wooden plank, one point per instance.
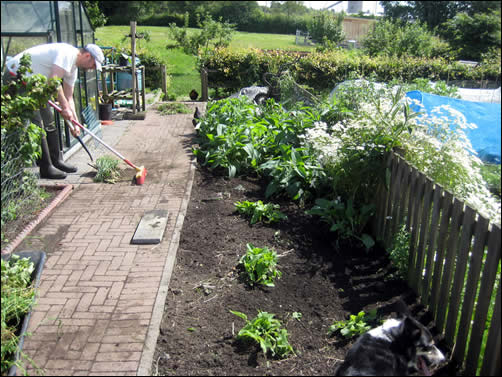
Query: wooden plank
<point x="491" y="359"/>
<point x="204" y="86"/>
<point x="413" y="188"/>
<point x="424" y="233"/>
<point x="390" y="203"/>
<point x="415" y="226"/>
<point x="386" y="198"/>
<point x="460" y="269"/>
<point x="476" y="259"/>
<point x="431" y="252"/>
<point x="390" y="229"/>
<point x="403" y="211"/>
<point x="447" y="207"/>
<point x="487" y="281"/>
<point x="451" y="249"/>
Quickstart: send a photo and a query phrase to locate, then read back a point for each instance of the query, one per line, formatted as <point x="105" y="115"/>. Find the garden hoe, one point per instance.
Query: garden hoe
<point x="140" y="171"/>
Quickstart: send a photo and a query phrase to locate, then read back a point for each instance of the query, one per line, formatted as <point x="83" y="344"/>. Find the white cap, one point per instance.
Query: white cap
<point x="97" y="54"/>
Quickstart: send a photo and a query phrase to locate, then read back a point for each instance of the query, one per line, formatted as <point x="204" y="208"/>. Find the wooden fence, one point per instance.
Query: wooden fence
<point x="454" y="257"/>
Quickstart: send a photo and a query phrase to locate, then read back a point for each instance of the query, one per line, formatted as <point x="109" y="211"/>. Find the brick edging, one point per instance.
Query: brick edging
<point x="66" y="190"/>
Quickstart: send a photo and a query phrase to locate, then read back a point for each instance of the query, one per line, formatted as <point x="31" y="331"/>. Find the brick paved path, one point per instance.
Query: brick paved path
<point x="102" y="298"/>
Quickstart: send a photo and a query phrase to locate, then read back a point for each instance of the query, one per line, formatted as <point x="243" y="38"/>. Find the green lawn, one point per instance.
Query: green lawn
<point x="182" y="67"/>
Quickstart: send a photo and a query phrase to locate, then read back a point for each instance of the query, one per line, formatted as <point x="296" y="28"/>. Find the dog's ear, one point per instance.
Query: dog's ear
<point x="401" y="309"/>
<point x="411" y="328"/>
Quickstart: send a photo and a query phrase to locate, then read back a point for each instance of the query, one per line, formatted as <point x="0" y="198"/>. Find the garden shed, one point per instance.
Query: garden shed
<point x="29" y="23"/>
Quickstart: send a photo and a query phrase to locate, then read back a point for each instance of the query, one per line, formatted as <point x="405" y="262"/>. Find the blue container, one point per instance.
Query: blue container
<point x="124" y="80"/>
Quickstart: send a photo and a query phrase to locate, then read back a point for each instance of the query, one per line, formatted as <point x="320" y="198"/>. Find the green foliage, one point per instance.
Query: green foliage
<point x="108" y="170"/>
<point x="260" y="265"/>
<point x="212" y="34"/>
<point x="258" y="211"/>
<point x="326" y="27"/>
<point x="17" y="299"/>
<point x="265" y="330"/>
<point x="394" y="38"/>
<point x="96" y="17"/>
<point x="439" y="88"/>
<point x="355" y="325"/>
<point x="20" y="139"/>
<point x="399" y="251"/>
<point x="473" y="35"/>
<point x="345" y="218"/>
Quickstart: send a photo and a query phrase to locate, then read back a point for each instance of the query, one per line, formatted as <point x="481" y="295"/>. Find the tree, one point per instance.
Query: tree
<point x="96" y="16"/>
<point x="326" y="28"/>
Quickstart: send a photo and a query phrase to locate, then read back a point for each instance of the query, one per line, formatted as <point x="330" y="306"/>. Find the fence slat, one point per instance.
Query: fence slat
<point x="489" y="274"/>
<point x="405" y="188"/>
<point x="458" y="280"/>
<point x="424" y="233"/>
<point x="415" y="226"/>
<point x="449" y="264"/>
<point x="388" y="217"/>
<point x="491" y="360"/>
<point x="396" y="198"/>
<point x="447" y="206"/>
<point x="436" y="210"/>
<point x="385" y="199"/>
<point x="480" y="239"/>
<point x="413" y="190"/>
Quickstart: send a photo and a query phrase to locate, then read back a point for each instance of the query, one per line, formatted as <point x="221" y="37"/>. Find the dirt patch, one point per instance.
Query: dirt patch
<point x="26" y="214"/>
<point x="322" y="281"/>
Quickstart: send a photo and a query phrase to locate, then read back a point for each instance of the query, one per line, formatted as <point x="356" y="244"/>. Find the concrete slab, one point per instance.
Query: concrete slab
<point x="151" y="227"/>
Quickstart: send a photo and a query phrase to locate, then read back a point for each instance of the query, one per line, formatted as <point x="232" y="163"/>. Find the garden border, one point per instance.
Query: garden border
<point x="65" y="191"/>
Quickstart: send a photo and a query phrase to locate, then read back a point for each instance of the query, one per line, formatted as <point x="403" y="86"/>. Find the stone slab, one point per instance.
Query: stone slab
<point x="151" y="227"/>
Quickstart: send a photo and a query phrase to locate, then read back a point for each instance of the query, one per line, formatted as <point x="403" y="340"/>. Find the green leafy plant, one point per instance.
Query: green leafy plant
<point x="258" y="211"/>
<point x="17" y="300"/>
<point x="260" y="265"/>
<point x="265" y="330"/>
<point x="173" y="108"/>
<point x="108" y="170"/>
<point x="355" y="325"/>
<point x="345" y="218"/>
<point x="399" y="251"/>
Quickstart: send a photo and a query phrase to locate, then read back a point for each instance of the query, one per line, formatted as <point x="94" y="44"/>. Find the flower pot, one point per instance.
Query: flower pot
<point x="105" y="111"/>
<point x="38" y="258"/>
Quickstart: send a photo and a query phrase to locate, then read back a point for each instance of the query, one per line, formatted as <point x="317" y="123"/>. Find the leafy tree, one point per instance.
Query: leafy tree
<point x="96" y="16"/>
<point x="396" y="38"/>
<point x="473" y="35"/>
<point x="326" y="27"/>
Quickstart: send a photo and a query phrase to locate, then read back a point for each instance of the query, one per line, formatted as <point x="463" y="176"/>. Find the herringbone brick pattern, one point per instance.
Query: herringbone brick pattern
<point x="98" y="293"/>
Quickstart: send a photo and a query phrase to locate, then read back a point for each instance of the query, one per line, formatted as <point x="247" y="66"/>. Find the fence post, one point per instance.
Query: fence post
<point x="204" y="84"/>
<point x="164" y="81"/>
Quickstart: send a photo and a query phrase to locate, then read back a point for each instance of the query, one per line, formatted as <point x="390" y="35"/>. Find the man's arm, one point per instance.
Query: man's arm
<point x="65" y="99"/>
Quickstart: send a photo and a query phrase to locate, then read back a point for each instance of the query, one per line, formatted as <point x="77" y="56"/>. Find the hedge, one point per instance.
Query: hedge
<point x="325" y="70"/>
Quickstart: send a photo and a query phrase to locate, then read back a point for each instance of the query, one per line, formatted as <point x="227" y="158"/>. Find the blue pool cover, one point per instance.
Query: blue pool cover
<point x="485" y="139"/>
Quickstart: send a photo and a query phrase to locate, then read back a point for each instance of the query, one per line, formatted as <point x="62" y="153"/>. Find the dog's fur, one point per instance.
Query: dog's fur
<point x="397" y="348"/>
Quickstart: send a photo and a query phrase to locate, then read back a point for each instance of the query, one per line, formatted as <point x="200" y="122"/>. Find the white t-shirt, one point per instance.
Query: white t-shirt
<point x="44" y="56"/>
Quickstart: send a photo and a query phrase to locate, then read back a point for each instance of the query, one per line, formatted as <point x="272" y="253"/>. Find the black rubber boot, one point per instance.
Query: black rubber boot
<point x="47" y="170"/>
<point x="57" y="154"/>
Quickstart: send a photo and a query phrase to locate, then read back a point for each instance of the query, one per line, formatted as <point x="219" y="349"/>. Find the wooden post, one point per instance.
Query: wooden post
<point x="164" y="82"/>
<point x="143" y="95"/>
<point x="204" y="83"/>
<point x="133" y="63"/>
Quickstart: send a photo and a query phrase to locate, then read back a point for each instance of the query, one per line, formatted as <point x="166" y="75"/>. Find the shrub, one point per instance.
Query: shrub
<point x="326" y="27"/>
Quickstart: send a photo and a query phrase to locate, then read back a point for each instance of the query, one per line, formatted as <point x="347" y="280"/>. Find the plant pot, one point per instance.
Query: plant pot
<point x="38" y="258"/>
<point x="105" y="111"/>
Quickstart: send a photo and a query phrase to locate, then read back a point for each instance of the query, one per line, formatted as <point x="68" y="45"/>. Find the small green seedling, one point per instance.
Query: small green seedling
<point x="355" y="325"/>
<point x="108" y="170"/>
<point x="260" y="265"/>
<point x="265" y="330"/>
<point x="258" y="211"/>
<point x="296" y="315"/>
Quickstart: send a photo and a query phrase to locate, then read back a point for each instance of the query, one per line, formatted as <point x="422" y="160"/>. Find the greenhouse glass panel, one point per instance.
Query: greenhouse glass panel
<point x="67" y="22"/>
<point x="27" y="17"/>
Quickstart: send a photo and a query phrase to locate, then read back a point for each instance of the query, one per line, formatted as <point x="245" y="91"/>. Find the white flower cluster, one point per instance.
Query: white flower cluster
<point x="437" y="145"/>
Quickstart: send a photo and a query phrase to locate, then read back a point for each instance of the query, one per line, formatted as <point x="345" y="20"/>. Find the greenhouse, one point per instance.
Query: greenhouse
<point x="29" y="23"/>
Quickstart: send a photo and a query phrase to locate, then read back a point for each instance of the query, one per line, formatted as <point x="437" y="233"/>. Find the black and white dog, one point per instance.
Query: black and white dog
<point x="399" y="347"/>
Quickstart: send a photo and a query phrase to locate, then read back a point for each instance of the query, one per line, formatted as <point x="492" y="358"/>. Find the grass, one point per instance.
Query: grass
<point x="182" y="67"/>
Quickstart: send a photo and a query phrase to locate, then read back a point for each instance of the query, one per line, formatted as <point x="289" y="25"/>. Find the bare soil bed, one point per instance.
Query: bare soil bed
<point x="323" y="280"/>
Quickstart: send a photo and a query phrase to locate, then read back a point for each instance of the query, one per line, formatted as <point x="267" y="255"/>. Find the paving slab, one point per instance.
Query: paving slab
<point x="101" y="297"/>
<point x="151" y="228"/>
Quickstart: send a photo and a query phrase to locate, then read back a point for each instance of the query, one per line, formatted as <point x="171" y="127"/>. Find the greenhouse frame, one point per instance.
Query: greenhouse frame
<point x="29" y="23"/>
